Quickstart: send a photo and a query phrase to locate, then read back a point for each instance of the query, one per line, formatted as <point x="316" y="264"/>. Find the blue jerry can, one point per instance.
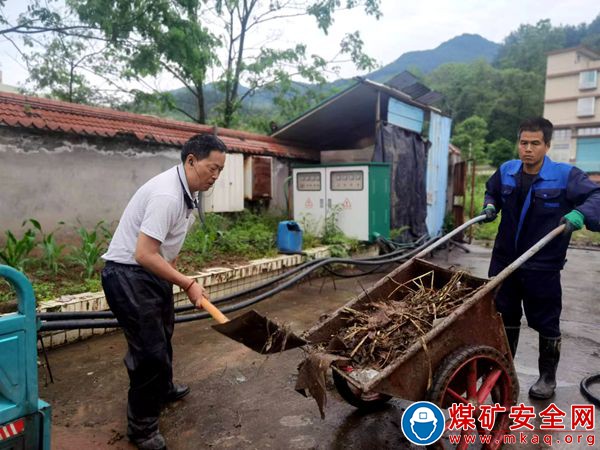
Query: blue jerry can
<point x="289" y="237"/>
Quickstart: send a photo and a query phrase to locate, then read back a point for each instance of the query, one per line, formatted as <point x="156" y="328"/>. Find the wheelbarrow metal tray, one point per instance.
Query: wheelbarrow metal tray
<point x="475" y="322"/>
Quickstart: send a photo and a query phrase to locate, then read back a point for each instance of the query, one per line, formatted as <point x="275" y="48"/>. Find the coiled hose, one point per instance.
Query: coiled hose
<point x="105" y="319"/>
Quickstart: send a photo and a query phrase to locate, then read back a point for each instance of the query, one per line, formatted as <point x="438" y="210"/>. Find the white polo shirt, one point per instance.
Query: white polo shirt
<point x="158" y="210"/>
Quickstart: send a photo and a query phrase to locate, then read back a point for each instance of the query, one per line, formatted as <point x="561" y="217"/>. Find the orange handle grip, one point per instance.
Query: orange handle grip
<point x="213" y="310"/>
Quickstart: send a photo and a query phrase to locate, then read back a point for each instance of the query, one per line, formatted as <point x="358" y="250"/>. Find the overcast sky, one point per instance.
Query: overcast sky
<point x="405" y="26"/>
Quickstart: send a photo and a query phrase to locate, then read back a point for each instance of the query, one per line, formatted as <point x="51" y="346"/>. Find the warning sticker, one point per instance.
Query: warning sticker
<point x="308" y="203"/>
<point x="347" y="204"/>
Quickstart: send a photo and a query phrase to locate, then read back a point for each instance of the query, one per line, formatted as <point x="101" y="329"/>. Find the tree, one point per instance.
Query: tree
<point x="469" y="136"/>
<point x="469" y="89"/>
<point x="176" y="37"/>
<point x="519" y="95"/>
<point x="527" y="47"/>
<point x="39" y="18"/>
<point x="592" y="35"/>
<point x="60" y="71"/>
<point x="156" y="36"/>
<point x="500" y="151"/>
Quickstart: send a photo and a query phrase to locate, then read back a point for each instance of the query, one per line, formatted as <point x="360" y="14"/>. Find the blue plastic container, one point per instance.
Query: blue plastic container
<point x="289" y="237"/>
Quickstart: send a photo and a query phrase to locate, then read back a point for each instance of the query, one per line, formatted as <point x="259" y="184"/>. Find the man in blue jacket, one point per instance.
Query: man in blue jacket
<point x="535" y="194"/>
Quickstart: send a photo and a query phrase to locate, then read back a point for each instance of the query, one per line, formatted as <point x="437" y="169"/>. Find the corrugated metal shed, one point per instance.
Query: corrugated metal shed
<point x="346" y="120"/>
<point x="405" y="116"/>
<point x="437" y="172"/>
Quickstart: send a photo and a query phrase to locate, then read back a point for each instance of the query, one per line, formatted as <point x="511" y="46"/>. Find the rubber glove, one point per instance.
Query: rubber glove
<point x="573" y="221"/>
<point x="490" y="213"/>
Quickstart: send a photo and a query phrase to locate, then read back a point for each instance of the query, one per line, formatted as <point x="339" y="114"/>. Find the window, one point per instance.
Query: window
<point x="563" y="134"/>
<point x="588" y="131"/>
<point x="588" y="79"/>
<point x="585" y="107"/>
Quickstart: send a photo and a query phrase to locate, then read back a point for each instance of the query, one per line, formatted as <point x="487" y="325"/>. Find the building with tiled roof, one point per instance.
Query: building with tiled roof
<point x="68" y="162"/>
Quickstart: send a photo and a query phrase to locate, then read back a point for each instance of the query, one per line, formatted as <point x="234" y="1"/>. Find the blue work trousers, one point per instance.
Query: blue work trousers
<point x="537" y="292"/>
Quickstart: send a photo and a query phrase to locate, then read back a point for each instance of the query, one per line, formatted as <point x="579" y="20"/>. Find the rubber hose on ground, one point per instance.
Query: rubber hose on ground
<point x="584" y="387"/>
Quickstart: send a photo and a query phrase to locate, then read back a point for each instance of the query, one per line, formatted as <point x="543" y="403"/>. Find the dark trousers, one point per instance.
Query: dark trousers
<point x="143" y="305"/>
<point x="538" y="292"/>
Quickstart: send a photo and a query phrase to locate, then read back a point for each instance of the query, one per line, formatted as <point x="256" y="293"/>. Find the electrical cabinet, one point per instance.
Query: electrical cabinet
<point x="355" y="196"/>
<point x="258" y="177"/>
<point x="227" y="194"/>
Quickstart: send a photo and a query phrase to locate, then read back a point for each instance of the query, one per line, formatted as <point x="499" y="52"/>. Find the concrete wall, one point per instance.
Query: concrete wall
<point x="566" y="113"/>
<point x="55" y="177"/>
<point x="570" y="61"/>
<point x="562" y="88"/>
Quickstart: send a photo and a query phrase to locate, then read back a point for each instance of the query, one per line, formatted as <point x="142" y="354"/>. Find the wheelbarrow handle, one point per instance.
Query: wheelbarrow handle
<point x="494" y="282"/>
<point x="213" y="310"/>
<point x="449" y="236"/>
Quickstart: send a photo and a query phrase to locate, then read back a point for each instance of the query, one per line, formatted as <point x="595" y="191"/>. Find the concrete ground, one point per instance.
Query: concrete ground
<point x="243" y="400"/>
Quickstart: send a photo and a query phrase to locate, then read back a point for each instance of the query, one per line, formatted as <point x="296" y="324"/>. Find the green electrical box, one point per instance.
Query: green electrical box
<point x="355" y="195"/>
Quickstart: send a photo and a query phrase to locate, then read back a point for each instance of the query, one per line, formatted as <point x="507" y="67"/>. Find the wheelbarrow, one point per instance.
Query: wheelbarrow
<point x="265" y="336"/>
<point x="465" y="358"/>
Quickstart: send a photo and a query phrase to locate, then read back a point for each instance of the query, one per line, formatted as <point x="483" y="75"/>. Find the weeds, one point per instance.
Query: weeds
<point x="15" y="252"/>
<point x="51" y="250"/>
<point x="339" y="244"/>
<point x="93" y="244"/>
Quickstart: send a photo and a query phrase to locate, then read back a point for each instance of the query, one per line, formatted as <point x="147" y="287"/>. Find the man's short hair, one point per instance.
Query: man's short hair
<point x="537" y="124"/>
<point x="201" y="145"/>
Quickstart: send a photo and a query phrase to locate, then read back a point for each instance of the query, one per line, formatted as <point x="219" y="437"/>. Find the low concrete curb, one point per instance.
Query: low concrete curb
<point x="218" y="281"/>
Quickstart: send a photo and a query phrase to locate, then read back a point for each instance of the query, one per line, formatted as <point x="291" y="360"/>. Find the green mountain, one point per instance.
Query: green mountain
<point x="460" y="49"/>
<point x="463" y="48"/>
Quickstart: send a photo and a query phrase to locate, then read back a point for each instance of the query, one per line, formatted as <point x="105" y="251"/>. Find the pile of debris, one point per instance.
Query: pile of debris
<point x="379" y="331"/>
<point x="383" y="329"/>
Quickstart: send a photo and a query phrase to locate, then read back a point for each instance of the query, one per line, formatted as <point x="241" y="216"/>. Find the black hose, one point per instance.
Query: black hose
<point x="584" y="387"/>
<point x="76" y="321"/>
<point x="77" y="315"/>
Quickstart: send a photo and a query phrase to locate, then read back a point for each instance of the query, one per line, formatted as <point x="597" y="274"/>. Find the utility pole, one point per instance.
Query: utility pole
<point x="472" y="209"/>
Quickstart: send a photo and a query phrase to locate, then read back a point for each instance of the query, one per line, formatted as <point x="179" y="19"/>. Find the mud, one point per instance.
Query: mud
<point x="243" y="400"/>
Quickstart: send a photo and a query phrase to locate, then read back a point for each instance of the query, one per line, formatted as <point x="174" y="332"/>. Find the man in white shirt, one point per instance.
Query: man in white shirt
<point x="139" y="275"/>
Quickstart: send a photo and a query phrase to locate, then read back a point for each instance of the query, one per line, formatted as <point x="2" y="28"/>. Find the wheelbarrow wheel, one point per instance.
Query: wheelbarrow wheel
<point x="478" y="375"/>
<point x="365" y="401"/>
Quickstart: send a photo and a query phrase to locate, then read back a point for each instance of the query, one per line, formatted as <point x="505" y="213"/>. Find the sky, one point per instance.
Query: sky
<point x="405" y="26"/>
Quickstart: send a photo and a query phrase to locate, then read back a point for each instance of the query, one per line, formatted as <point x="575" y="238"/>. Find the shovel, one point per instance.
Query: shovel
<point x="253" y="330"/>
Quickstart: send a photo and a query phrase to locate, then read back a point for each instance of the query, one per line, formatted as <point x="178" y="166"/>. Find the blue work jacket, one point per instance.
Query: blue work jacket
<point x="556" y="190"/>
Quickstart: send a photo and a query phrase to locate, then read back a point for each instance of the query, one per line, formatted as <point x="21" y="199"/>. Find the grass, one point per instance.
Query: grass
<point x="225" y="240"/>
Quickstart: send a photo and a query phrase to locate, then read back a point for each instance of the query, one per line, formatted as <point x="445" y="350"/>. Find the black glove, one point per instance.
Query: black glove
<point x="490" y="213"/>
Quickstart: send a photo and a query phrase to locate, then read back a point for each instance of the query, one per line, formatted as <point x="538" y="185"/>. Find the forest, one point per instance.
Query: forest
<point x="208" y="47"/>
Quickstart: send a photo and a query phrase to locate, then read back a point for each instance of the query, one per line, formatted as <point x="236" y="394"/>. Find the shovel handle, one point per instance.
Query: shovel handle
<point x="213" y="310"/>
<point x="508" y="270"/>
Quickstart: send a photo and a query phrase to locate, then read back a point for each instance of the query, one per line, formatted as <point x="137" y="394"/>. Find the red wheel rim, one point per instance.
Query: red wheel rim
<point x="481" y="380"/>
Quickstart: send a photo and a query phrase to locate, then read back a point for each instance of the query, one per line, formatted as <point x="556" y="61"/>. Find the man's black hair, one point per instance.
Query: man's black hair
<point x="201" y="145"/>
<point x="537" y="124"/>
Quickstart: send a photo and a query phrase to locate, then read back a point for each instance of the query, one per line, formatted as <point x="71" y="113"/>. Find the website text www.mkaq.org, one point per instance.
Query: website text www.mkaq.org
<point x="552" y="430"/>
<point x="585" y="439"/>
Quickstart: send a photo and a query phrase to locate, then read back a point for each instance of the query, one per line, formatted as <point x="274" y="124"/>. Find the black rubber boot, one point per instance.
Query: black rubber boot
<point x="512" y="334"/>
<point x="548" y="362"/>
<point x="154" y="442"/>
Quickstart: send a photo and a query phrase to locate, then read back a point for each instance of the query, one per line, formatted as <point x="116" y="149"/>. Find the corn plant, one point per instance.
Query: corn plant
<point x="50" y="248"/>
<point x="333" y="236"/>
<point x="92" y="246"/>
<point x="15" y="252"/>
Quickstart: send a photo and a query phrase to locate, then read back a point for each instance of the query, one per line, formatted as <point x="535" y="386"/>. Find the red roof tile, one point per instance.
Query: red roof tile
<point x="33" y="112"/>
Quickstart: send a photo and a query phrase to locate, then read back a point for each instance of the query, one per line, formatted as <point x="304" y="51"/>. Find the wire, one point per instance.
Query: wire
<point x="584" y="387"/>
<point x="104" y="319"/>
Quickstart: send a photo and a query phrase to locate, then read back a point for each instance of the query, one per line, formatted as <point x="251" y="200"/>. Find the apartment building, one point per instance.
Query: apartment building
<point x="572" y="103"/>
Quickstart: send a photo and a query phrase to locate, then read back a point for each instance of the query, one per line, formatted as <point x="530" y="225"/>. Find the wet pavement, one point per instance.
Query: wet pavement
<point x="243" y="400"/>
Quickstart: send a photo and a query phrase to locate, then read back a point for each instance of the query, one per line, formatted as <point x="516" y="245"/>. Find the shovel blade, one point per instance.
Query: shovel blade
<point x="259" y="333"/>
